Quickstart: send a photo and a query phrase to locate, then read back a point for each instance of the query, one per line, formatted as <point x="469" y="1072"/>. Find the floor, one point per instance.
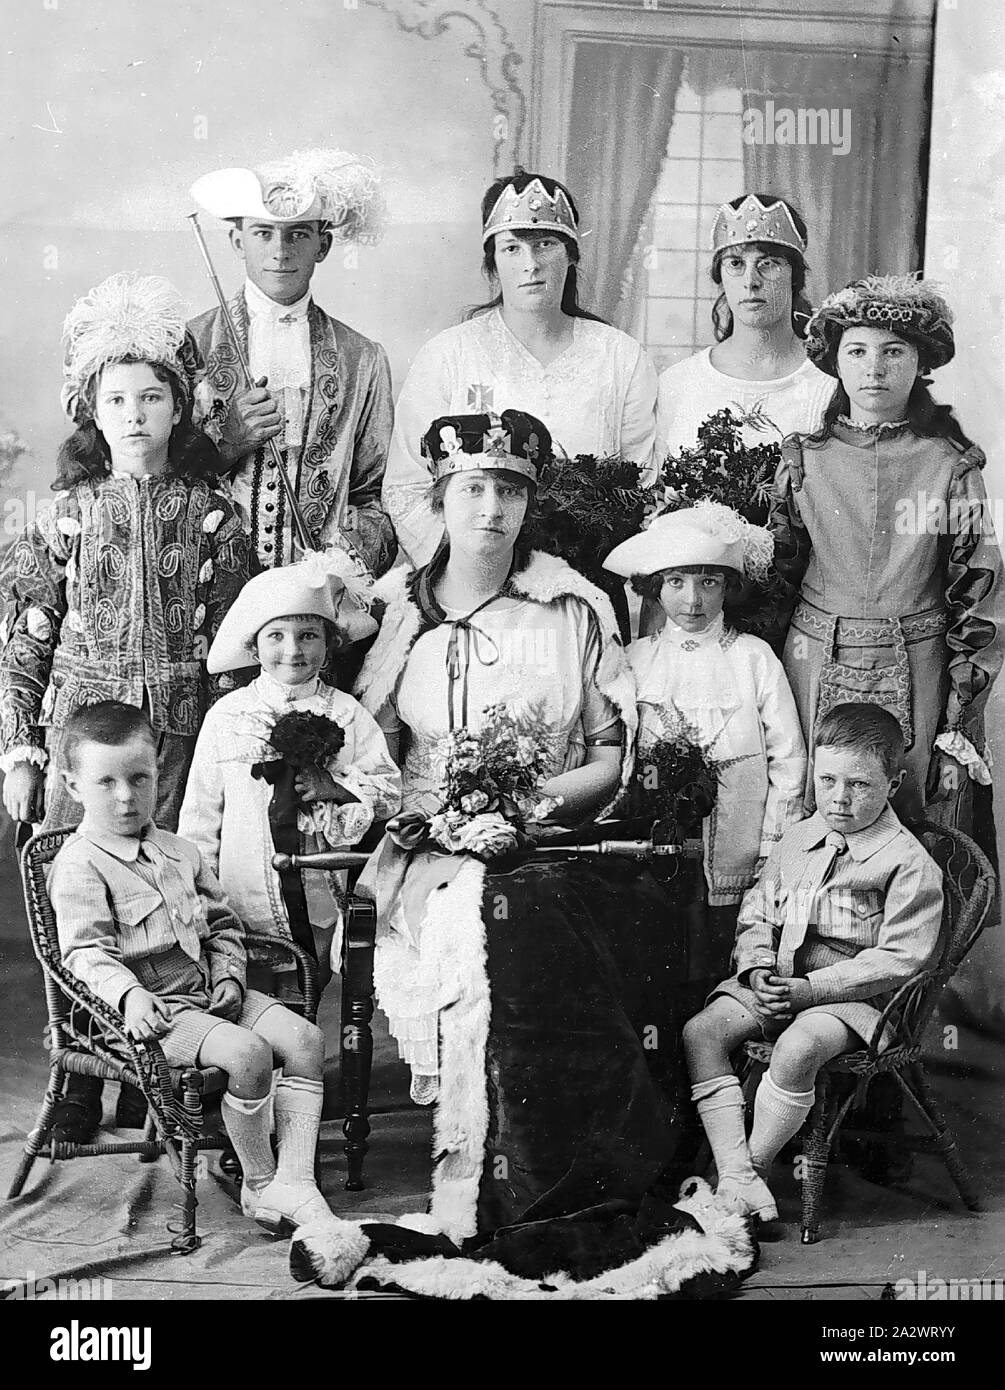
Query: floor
<point x="104" y="1219"/>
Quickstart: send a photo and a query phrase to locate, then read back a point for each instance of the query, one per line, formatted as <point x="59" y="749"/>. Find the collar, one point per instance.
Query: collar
<point x="858" y="432"/>
<point x="274" y="692"/>
<point x="675" y="636"/>
<point x="261" y="306"/>
<point x="863" y="844"/>
<point x="127" y="847"/>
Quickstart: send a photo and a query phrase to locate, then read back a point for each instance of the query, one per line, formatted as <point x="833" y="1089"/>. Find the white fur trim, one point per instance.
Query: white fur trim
<point x="327" y="1251"/>
<point x="24" y="754"/>
<point x="958" y="746"/>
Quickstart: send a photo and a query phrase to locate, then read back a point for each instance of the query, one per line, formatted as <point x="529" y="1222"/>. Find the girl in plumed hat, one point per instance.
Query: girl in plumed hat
<point x="115" y="590"/>
<point x="288" y="763"/>
<point x="885" y="535"/>
<point x="701" y="676"/>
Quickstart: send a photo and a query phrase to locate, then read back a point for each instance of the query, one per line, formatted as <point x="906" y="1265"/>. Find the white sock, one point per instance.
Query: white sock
<point x="720" y="1106"/>
<point x="247" y="1123"/>
<point x="778" y="1115"/>
<point x="298" y="1119"/>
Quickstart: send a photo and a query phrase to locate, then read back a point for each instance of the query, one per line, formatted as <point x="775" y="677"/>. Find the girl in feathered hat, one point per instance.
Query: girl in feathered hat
<point x="115" y="590"/>
<point x="288" y="763"/>
<point x="885" y="533"/>
<point x="699" y="674"/>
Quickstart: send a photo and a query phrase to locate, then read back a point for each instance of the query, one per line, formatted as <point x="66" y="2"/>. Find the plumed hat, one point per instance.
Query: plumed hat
<point x="913" y="308"/>
<point x="309" y="587"/>
<point x="514" y="442"/>
<point x="127" y="316"/>
<point x="329" y="186"/>
<point x="708" y="533"/>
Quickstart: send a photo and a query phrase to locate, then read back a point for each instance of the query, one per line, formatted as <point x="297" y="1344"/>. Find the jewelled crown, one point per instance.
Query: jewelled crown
<point x="513" y="442"/>
<point x="532" y="210"/>
<point x="756" y="221"/>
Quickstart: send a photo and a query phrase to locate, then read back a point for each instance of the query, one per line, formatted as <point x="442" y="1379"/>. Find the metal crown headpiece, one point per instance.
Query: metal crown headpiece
<point x="533" y="210"/>
<point x="756" y="221"/>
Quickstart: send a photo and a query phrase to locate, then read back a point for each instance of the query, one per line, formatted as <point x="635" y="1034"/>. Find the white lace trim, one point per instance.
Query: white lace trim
<point x="958" y="746"/>
<point x="25" y="754"/>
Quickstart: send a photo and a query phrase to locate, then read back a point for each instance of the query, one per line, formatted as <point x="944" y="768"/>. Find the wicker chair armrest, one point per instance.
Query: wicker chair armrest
<point x="917" y="983"/>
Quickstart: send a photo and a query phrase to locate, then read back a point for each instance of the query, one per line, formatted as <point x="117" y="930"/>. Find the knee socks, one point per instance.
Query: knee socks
<point x="720" y="1106"/>
<point x="247" y="1123"/>
<point x="778" y="1115"/>
<point x="298" y="1119"/>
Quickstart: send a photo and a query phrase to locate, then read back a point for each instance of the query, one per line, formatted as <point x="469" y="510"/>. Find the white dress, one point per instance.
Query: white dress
<point x="732" y="689"/>
<point x="596" y="397"/>
<point x="226" y="811"/>
<point x="693" y="389"/>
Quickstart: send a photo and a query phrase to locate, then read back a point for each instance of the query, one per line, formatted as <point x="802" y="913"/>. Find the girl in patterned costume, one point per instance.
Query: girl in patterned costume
<point x="114" y="592"/>
<point x="885" y="533"/>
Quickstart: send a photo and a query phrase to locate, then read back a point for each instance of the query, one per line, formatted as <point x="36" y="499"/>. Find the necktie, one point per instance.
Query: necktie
<point x="801" y="909"/>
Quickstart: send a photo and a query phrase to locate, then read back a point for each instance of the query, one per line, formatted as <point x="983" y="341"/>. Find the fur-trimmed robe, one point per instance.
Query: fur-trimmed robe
<point x="553" y="1123"/>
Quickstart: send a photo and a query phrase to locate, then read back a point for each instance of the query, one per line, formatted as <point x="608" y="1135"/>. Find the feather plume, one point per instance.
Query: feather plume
<point x="349" y="188"/>
<point x="127" y="315"/>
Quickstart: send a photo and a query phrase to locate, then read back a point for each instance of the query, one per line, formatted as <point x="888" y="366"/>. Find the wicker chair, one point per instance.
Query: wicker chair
<point x="87" y="1037"/>
<point x="969" y="887"/>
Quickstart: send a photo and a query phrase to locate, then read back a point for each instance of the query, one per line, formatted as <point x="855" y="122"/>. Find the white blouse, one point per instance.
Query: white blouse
<point x="693" y="389"/>
<point x="596" y="397"/>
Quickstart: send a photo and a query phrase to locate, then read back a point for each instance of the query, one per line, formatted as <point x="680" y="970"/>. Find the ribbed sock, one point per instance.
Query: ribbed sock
<point x="298" y="1119"/>
<point x="720" y="1106"/>
<point x="778" y="1115"/>
<point x="247" y="1123"/>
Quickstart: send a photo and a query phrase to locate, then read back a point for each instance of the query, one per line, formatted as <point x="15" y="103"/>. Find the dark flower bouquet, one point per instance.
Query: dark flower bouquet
<point x="303" y="739"/>
<point x="675" y="783"/>
<point x="490" y="787"/>
<point x="721" y="468"/>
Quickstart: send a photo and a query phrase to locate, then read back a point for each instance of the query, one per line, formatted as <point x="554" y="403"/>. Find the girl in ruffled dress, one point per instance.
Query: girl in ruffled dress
<point x="726" y="690"/>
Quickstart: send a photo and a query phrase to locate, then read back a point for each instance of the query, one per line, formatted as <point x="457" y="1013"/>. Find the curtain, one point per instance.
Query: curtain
<point x="620" y="116"/>
<point x="865" y="208"/>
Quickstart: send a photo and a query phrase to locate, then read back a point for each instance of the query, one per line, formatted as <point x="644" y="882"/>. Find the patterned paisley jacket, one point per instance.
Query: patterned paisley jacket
<point x="115" y="592"/>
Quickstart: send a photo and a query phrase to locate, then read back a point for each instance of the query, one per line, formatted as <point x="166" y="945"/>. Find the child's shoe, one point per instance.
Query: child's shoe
<point x="749" y="1196"/>
<point x="282" y="1206"/>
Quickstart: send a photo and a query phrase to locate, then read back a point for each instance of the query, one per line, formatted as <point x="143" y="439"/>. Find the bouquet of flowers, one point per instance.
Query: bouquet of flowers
<point x="303" y="739"/>
<point x="490" y="787"/>
<point x="721" y="468"/>
<point x="675" y="783"/>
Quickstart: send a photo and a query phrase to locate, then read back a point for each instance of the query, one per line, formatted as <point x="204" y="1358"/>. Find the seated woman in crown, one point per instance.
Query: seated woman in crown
<point x="518" y="989"/>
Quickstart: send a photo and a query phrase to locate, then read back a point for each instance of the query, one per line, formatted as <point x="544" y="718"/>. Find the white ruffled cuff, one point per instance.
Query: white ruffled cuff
<point x="958" y="746"/>
<point x="25" y="754"/>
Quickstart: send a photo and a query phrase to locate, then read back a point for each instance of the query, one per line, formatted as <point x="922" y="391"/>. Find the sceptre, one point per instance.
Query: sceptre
<point x="300" y="526"/>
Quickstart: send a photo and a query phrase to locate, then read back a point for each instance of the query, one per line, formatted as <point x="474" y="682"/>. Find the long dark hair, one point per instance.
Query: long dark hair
<point x="802" y="309"/>
<point x="191" y="454"/>
<point x="570" y="294"/>
<point x="925" y="416"/>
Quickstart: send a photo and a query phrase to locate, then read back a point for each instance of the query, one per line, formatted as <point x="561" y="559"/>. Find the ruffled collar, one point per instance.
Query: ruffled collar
<point x="274" y="693"/>
<point x="880" y="429"/>
<point x="260" y="306"/>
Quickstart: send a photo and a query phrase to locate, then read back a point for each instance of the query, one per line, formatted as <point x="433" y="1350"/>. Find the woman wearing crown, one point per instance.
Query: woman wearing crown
<point x="515" y="987"/>
<point x="885" y="533"/>
<point x="757" y="365"/>
<point x="531" y="348"/>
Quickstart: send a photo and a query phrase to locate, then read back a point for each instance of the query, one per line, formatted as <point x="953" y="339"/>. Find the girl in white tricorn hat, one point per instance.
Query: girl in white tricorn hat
<point x="263" y="782"/>
<point x="729" y="687"/>
<point x="323" y="391"/>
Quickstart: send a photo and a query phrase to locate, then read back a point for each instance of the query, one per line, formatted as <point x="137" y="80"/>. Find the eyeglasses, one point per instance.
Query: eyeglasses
<point x="768" y="267"/>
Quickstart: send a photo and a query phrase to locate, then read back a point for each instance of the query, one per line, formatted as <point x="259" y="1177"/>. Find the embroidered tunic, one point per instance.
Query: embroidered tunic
<point x="732" y="689"/>
<point x="226" y="811"/>
<point x="888" y="536"/>
<point x="597" y="397"/>
<point x="692" y="390"/>
<point x="856" y="925"/>
<point x="115" y="592"/>
<point x="335" y="462"/>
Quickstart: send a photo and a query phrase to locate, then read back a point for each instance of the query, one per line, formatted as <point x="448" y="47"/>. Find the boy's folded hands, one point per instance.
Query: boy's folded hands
<point x="146" y="1015"/>
<point x="777" y="996"/>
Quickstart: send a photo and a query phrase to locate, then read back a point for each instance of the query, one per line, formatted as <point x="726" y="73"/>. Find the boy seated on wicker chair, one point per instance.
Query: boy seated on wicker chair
<point x="145" y="925"/>
<point x="848" y="908"/>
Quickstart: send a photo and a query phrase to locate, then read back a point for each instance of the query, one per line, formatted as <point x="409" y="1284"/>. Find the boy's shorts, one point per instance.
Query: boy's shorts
<point x="190" y="1027"/>
<point x="860" y="1016"/>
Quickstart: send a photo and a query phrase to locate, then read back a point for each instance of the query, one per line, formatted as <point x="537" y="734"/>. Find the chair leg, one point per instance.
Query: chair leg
<point x="356" y="1051"/>
<point x="816" y="1154"/>
<point x="920" y="1094"/>
<point x="149" y="1135"/>
<point x="187" y="1240"/>
<point x="35" y="1142"/>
